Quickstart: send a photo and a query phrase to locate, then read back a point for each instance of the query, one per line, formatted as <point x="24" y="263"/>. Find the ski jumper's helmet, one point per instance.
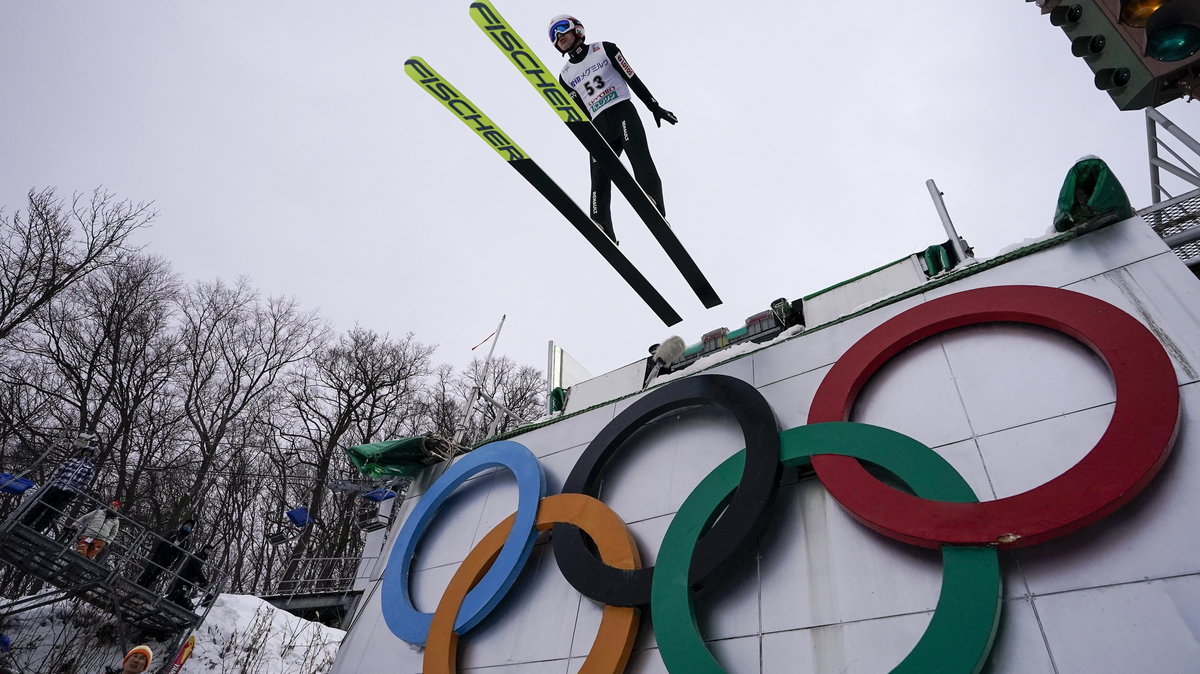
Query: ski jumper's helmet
<point x="565" y="23"/>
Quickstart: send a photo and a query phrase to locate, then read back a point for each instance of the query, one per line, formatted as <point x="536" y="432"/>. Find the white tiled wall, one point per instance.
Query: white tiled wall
<point x="1009" y="406"/>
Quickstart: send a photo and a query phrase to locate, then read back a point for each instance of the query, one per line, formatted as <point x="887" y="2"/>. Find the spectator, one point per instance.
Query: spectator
<point x="71" y="478"/>
<point x="136" y="661"/>
<point x="97" y="529"/>
<point x="191" y="576"/>
<point x="166" y="552"/>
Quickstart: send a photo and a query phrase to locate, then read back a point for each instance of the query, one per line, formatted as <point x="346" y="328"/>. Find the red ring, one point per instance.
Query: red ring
<point x="1128" y="455"/>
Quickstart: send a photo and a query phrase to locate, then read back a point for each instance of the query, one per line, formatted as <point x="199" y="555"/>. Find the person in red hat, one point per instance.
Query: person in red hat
<point x="97" y="529"/>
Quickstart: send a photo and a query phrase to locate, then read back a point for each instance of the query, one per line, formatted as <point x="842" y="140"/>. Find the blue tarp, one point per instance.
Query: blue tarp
<point x="20" y="485"/>
<point x="379" y="495"/>
<point x="300" y="517"/>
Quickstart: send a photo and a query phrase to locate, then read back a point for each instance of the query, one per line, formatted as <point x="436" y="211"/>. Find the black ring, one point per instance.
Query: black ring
<point x="738" y="525"/>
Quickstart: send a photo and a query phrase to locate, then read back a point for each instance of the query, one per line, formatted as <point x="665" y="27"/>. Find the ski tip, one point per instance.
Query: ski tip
<point x="419" y="71"/>
<point x="710" y="302"/>
<point x="483" y="13"/>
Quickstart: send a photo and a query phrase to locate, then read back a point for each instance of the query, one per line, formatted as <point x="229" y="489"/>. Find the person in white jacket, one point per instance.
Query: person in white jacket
<point x="97" y="529"/>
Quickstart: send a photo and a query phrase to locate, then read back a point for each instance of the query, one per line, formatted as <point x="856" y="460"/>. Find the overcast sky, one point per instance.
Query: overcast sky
<point x="282" y="141"/>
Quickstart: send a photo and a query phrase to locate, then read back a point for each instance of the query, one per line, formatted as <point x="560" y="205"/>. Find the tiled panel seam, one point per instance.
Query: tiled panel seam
<point x="566" y="665"/>
<point x="1121" y="266"/>
<point x="1155" y="579"/>
<point x="567" y="449"/>
<point x="757" y="385"/>
<point x="1037" y="616"/>
<point x="1124" y="281"/>
<point x="962" y="404"/>
<point x="1044" y="419"/>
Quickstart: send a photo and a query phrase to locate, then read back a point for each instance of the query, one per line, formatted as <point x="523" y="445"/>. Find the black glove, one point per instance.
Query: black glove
<point x="661" y="113"/>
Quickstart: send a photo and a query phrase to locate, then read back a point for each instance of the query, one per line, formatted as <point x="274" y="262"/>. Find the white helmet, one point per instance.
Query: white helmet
<point x="564" y="23"/>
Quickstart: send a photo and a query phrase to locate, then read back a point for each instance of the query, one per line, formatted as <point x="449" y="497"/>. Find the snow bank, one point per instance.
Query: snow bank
<point x="242" y="634"/>
<point x="246" y="634"/>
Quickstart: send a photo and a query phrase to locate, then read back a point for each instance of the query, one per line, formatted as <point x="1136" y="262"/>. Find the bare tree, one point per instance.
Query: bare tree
<point x="441" y="403"/>
<point x="235" y="348"/>
<point x="28" y="409"/>
<point x="348" y="393"/>
<point x="100" y="358"/>
<point x="52" y="245"/>
<point x="519" y="389"/>
<point x="229" y="407"/>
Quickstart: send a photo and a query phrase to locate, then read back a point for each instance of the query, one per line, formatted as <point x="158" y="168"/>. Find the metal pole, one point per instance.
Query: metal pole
<point x="1174" y="130"/>
<point x="1152" y="153"/>
<point x="496" y="403"/>
<point x="475" y="390"/>
<point x="1178" y="239"/>
<point x="955" y="243"/>
<point x="492" y="350"/>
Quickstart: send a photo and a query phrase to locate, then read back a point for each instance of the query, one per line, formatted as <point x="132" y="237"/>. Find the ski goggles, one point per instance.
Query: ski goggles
<point x="560" y="27"/>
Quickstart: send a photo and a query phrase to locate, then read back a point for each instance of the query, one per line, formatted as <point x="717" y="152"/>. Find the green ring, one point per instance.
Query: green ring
<point x="960" y="634"/>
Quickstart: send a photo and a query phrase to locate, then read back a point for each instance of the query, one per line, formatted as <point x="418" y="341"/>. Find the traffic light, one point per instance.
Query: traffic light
<point x="1142" y="52"/>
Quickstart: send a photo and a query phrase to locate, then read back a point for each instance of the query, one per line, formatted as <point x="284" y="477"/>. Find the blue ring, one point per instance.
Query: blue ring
<point x="402" y="618"/>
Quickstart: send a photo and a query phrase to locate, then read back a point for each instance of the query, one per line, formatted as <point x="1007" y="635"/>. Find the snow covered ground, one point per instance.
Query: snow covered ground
<point x="246" y="634"/>
<point x="242" y="635"/>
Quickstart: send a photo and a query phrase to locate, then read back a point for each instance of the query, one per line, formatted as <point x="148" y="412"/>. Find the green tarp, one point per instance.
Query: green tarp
<point x="404" y="457"/>
<point x="1089" y="191"/>
<point x="939" y="258"/>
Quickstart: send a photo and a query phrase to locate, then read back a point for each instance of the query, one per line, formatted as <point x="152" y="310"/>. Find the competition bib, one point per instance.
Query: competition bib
<point x="596" y="79"/>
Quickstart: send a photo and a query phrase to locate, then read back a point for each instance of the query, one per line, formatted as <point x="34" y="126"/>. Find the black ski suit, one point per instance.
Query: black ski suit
<point x="163" y="555"/>
<point x="191" y="576"/>
<point x="617" y="122"/>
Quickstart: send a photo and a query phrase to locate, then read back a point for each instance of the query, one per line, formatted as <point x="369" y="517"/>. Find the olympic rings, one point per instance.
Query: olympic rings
<point x="742" y="519"/>
<point x="703" y="539"/>
<point x="618" y="625"/>
<point x="1129" y="454"/>
<point x="402" y="618"/>
<point x="964" y="622"/>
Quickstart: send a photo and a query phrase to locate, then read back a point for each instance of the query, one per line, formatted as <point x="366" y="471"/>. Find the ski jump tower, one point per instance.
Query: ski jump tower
<point x="1031" y="426"/>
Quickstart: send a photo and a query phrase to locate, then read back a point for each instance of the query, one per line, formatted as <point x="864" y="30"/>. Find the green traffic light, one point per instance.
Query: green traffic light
<point x="1173" y="43"/>
<point x="1173" y="32"/>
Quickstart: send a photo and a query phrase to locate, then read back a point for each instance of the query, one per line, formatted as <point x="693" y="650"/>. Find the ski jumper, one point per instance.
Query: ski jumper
<point x="600" y="79"/>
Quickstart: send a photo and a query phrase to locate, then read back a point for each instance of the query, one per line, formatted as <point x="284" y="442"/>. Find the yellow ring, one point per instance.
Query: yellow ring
<point x="618" y="625"/>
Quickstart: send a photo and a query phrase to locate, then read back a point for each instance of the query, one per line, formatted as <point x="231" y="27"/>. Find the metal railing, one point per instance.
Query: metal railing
<point x="135" y="553"/>
<point x="325" y="575"/>
<point x="1180" y="167"/>
<point x="1177" y="221"/>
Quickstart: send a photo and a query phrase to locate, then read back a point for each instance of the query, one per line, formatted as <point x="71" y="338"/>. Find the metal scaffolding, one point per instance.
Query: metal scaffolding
<point x="325" y="589"/>
<point x="328" y="589"/>
<point x="144" y="598"/>
<point x="1177" y="218"/>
